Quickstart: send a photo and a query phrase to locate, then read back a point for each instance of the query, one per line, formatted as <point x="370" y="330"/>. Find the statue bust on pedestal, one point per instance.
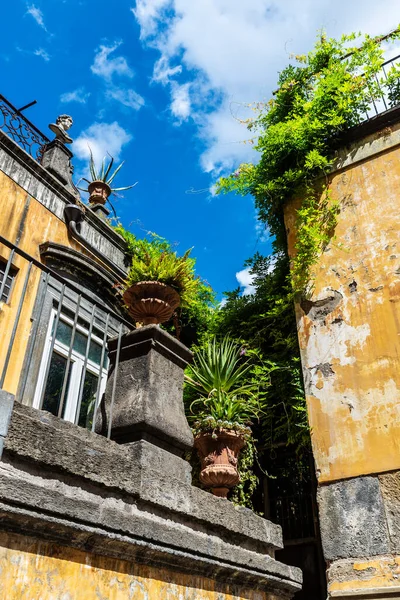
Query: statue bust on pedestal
<point x="60" y="128"/>
<point x="57" y="157"/>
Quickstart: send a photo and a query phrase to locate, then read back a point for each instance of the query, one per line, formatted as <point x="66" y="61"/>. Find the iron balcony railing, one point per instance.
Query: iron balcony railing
<point x="389" y="93"/>
<point x="290" y="494"/>
<point x="21" y="130"/>
<point x="54" y="335"/>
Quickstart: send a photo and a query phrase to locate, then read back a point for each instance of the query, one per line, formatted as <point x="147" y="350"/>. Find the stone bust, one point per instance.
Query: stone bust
<point x="60" y="127"/>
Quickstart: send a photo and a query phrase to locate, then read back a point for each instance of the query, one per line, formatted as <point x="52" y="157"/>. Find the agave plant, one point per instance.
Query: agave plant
<point x="218" y="387"/>
<point x="104" y="174"/>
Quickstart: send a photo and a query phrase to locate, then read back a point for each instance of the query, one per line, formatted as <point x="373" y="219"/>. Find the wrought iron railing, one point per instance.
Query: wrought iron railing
<point x="21" y="130"/>
<point x="291" y="494"/>
<point x="54" y="335"/>
<point x="389" y="95"/>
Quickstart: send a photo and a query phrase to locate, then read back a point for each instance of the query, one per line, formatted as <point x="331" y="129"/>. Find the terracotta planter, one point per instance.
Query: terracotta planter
<point x="99" y="192"/>
<point x="151" y="302"/>
<point x="219" y="457"/>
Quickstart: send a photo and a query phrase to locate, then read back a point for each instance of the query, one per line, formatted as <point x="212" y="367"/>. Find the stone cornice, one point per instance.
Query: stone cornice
<point x="32" y="177"/>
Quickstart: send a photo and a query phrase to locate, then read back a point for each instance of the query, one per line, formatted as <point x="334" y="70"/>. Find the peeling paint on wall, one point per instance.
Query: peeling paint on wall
<point x="380" y="573"/>
<point x="349" y="330"/>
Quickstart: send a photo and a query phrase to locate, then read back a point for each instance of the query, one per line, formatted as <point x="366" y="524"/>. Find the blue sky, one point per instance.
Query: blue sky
<point x="163" y="85"/>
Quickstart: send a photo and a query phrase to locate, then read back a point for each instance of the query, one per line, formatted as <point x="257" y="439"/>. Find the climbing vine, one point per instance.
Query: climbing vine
<point x="298" y="132"/>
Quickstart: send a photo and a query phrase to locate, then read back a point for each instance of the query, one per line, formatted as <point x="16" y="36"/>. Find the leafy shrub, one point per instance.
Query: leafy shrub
<point x="153" y="259"/>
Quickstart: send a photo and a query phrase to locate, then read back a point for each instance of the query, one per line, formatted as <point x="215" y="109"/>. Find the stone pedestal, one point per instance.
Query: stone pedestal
<point x="57" y="160"/>
<point x="146" y="401"/>
<point x="100" y="210"/>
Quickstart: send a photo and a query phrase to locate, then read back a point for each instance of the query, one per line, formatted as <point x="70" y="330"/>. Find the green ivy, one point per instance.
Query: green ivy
<point x="299" y="130"/>
<point x="242" y="494"/>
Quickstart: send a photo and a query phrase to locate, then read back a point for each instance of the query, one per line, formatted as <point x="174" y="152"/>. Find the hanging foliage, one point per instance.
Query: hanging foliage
<point x="321" y="96"/>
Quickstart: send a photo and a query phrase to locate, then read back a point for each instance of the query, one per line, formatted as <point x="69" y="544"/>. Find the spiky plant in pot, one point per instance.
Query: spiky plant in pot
<point x="221" y="407"/>
<point x="99" y="187"/>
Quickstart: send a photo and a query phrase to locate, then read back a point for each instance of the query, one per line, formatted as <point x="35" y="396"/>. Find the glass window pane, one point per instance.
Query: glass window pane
<point x="64" y="335"/>
<point x="8" y="282"/>
<point x="52" y="394"/>
<point x="88" y="400"/>
<point x="95" y="352"/>
<point x="64" y="332"/>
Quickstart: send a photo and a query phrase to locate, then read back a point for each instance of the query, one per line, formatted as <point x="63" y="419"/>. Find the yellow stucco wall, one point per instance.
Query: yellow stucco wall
<point x="32" y="570"/>
<point x="382" y="573"/>
<point x="354" y="407"/>
<point x="26" y="222"/>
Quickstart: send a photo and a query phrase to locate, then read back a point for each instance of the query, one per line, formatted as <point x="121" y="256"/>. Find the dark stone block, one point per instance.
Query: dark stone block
<point x="62" y="483"/>
<point x="61" y="448"/>
<point x="148" y="390"/>
<point x="152" y="458"/>
<point x="57" y="160"/>
<point x="352" y="519"/>
<point x="100" y="210"/>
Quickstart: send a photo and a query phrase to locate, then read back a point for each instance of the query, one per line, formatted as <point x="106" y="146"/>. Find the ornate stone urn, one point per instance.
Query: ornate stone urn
<point x="151" y="302"/>
<point x="218" y="454"/>
<point x="99" y="192"/>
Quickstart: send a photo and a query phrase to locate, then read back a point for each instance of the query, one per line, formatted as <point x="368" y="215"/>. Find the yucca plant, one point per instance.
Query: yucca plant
<point x="218" y="393"/>
<point x="104" y="174"/>
<point x="222" y="401"/>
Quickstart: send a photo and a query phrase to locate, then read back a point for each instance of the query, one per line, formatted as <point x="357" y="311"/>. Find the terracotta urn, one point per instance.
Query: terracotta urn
<point x="99" y="192"/>
<point x="151" y="302"/>
<point x="218" y="454"/>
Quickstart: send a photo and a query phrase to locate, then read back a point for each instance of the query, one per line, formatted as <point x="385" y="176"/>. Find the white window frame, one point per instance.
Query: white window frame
<point x="76" y="366"/>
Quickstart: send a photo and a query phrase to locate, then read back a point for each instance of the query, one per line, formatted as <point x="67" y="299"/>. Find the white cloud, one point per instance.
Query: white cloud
<point x="262" y="230"/>
<point x="107" y="67"/>
<point x="231" y="52"/>
<point x="101" y="138"/>
<point x="148" y="14"/>
<point x="163" y="72"/>
<point x="79" y="95"/>
<point x="180" y="101"/>
<point x="37" y="14"/>
<point x="42" y="53"/>
<point x="245" y="280"/>
<point x="127" y="97"/>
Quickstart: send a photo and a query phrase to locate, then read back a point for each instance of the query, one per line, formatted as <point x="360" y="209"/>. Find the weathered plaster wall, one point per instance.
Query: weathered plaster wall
<point x="349" y="330"/>
<point x="349" y="334"/>
<point x="32" y="570"/>
<point x="374" y="578"/>
<point x="26" y="223"/>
